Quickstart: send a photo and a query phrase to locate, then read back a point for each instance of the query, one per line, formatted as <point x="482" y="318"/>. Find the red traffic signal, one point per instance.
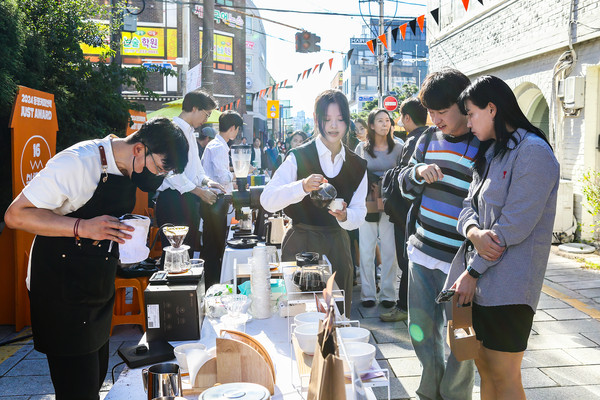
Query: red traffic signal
<point x="306" y="42"/>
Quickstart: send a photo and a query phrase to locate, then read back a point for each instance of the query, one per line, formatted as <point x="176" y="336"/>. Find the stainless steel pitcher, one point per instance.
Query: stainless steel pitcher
<point x="162" y="380"/>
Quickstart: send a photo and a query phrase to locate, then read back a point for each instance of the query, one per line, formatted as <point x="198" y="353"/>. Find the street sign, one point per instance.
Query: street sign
<point x="273" y="109"/>
<point x="390" y="103"/>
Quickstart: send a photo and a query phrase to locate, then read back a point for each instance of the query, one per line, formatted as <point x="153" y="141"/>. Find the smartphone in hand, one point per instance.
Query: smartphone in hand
<point x="445" y="296"/>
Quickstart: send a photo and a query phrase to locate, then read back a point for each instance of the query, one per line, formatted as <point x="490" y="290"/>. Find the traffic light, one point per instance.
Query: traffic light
<point x="303" y="41"/>
<point x="306" y="42"/>
<point x="314" y="47"/>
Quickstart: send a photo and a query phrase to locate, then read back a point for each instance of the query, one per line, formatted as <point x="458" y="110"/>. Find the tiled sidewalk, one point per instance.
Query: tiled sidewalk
<point x="562" y="362"/>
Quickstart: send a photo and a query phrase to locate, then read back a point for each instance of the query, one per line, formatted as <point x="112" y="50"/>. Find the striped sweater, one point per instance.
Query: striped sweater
<point x="441" y="201"/>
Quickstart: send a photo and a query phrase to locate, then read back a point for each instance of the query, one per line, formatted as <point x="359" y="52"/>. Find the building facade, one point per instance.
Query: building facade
<point x="169" y="34"/>
<point x="405" y="63"/>
<point x="257" y="77"/>
<point x="549" y="55"/>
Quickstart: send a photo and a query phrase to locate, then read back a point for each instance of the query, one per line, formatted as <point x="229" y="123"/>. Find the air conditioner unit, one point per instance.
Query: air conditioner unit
<point x="574" y="92"/>
<point x="564" y="220"/>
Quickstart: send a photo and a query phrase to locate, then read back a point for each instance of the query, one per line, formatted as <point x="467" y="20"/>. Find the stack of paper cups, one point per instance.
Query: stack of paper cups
<point x="260" y="280"/>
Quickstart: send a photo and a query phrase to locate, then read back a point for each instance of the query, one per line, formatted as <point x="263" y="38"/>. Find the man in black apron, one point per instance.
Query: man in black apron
<point x="74" y="205"/>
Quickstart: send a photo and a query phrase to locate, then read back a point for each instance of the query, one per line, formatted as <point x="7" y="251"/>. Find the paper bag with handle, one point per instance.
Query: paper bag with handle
<point x="327" y="370"/>
<point x="461" y="337"/>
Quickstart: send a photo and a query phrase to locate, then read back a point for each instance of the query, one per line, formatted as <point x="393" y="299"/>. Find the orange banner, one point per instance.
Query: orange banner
<point x="33" y="126"/>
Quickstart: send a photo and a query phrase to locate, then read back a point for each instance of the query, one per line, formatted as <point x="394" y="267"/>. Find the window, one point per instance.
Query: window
<point x="249" y="64"/>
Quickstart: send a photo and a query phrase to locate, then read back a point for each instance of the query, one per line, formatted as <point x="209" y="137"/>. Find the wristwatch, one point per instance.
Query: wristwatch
<point x="473" y="273"/>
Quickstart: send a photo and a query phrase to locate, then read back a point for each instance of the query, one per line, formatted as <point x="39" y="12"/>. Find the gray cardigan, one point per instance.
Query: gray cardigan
<point x="518" y="202"/>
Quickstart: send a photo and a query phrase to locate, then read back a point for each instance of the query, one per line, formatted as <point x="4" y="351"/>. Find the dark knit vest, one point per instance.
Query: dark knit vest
<point x="346" y="183"/>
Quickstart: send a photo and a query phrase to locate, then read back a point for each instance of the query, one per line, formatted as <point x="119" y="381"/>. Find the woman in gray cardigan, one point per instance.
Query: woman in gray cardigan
<point x="508" y="217"/>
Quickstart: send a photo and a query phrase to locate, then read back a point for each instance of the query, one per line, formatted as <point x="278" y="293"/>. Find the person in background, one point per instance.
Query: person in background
<point x="206" y="135"/>
<point x="508" y="217"/>
<point x="244" y="141"/>
<point x="295" y="139"/>
<point x="322" y="159"/>
<point x="216" y="164"/>
<point x="73" y="205"/>
<point x="361" y="129"/>
<point x="258" y="155"/>
<point x="413" y="117"/>
<point x="271" y="157"/>
<point x="382" y="152"/>
<point x="440" y="174"/>
<point x="180" y="195"/>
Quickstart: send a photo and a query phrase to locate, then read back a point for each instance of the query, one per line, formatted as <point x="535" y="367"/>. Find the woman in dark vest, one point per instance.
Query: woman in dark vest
<point x="73" y="206"/>
<point x="322" y="159"/>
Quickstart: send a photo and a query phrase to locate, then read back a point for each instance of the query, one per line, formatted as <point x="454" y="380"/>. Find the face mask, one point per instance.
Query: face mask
<point x="146" y="181"/>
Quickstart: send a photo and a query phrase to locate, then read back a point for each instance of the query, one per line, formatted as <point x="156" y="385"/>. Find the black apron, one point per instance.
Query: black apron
<point x="72" y="285"/>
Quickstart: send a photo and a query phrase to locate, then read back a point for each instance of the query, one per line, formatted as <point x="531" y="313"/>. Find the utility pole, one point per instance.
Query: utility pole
<point x="208" y="46"/>
<point x="380" y="57"/>
<point x="116" y="21"/>
<point x="185" y="38"/>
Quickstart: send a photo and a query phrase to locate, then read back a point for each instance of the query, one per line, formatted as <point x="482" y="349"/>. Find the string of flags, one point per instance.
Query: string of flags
<point x="436" y="12"/>
<point x="420" y="21"/>
<point x="234" y="105"/>
<point x="302" y="75"/>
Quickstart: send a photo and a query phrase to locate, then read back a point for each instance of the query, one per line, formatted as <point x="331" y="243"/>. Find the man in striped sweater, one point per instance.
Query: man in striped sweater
<point x="441" y="175"/>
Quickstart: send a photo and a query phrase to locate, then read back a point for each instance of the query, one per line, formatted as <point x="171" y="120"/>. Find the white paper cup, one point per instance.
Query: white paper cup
<point x="336" y="204"/>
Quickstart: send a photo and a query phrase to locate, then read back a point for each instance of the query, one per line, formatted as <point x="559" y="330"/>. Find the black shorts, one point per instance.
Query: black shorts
<point x="503" y="328"/>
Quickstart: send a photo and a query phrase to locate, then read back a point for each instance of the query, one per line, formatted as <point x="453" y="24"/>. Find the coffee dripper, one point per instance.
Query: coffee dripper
<point x="177" y="258"/>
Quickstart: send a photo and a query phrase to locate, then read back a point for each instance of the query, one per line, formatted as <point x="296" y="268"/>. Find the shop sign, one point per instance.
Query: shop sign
<point x="249" y="44"/>
<point x="138" y="118"/>
<point x="234" y="21"/>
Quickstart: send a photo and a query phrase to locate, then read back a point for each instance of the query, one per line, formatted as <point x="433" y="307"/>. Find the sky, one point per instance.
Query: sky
<point x="335" y="31"/>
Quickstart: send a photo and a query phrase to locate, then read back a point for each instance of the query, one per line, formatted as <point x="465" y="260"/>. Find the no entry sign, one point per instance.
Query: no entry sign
<point x="390" y="103"/>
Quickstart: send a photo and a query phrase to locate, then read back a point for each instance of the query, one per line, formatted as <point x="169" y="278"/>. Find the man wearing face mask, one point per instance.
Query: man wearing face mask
<point x="73" y="206"/>
<point x="179" y="196"/>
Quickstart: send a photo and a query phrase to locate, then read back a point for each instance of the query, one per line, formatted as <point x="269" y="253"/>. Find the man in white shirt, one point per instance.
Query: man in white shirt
<point x="216" y="164"/>
<point x="179" y="196"/>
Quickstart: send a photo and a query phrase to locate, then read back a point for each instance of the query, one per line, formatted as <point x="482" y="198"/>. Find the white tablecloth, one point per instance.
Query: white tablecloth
<point x="231" y="254"/>
<point x="272" y="333"/>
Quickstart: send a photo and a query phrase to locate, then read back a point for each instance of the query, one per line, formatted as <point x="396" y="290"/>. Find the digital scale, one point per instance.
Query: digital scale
<point x="190" y="277"/>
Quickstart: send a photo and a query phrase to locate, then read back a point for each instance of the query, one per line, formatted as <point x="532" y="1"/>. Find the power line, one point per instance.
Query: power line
<point x="337" y="14"/>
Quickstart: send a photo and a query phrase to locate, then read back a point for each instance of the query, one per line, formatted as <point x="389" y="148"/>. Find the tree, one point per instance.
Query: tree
<point x="41" y="50"/>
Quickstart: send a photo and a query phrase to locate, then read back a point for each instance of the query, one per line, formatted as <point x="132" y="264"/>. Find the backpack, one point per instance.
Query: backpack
<point x="394" y="204"/>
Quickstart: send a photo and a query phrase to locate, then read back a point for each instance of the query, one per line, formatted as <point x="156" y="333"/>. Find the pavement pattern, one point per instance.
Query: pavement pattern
<point x="561" y="362"/>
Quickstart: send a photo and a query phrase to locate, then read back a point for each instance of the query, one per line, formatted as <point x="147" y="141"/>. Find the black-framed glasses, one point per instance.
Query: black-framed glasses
<point x="159" y="170"/>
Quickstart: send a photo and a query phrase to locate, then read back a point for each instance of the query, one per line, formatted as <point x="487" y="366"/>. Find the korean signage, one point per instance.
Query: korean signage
<point x="223" y="51"/>
<point x="358" y="40"/>
<point x="222" y="17"/>
<point x="249" y="44"/>
<point x="145" y="42"/>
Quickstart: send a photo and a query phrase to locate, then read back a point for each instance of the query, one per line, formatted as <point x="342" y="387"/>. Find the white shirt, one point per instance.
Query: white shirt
<point x="257" y="157"/>
<point x="58" y="188"/>
<point x="285" y="188"/>
<point x="215" y="161"/>
<point x="418" y="257"/>
<point x="70" y="178"/>
<point x="193" y="174"/>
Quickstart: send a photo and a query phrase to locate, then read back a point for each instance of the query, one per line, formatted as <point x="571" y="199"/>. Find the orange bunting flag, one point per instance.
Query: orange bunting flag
<point x="315" y="68"/>
<point x="421" y="22"/>
<point x="269" y="90"/>
<point x="304" y="74"/>
<point x="403" y="30"/>
<point x="370" y="44"/>
<point x="466" y="4"/>
<point x="383" y="39"/>
<point x="330" y="63"/>
<point x="237" y="103"/>
<point x="284" y="83"/>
